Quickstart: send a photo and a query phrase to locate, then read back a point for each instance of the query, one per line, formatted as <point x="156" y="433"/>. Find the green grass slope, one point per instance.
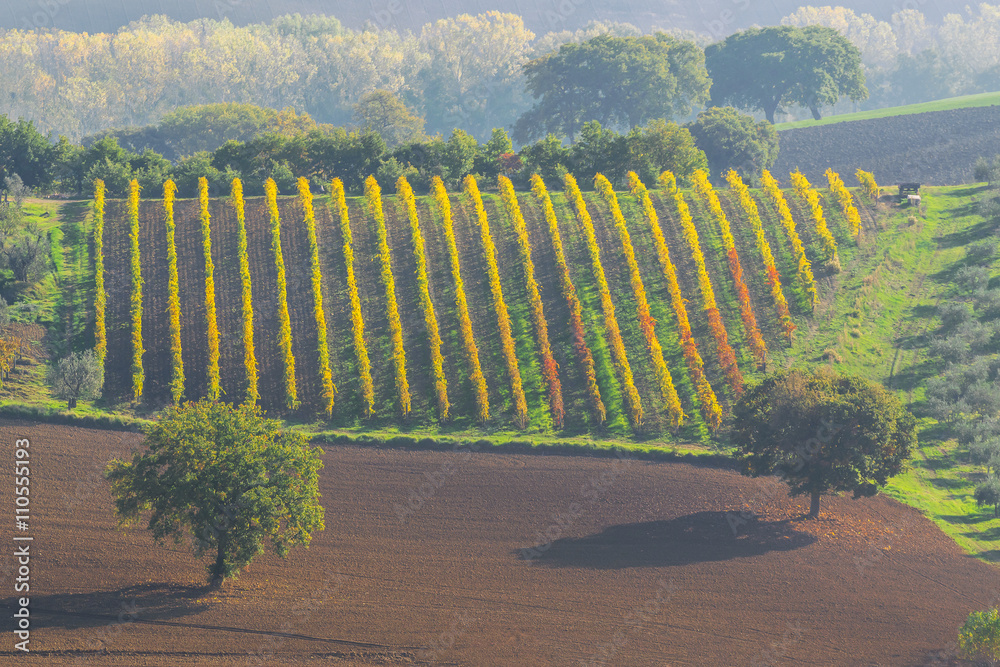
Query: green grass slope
<point x="960" y="102"/>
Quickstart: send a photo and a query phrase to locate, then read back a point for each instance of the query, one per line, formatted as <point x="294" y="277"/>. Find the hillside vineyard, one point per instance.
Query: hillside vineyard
<point x="544" y="310"/>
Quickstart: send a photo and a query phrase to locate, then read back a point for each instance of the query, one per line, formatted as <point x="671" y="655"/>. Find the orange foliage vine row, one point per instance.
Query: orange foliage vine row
<point x="805" y="274"/>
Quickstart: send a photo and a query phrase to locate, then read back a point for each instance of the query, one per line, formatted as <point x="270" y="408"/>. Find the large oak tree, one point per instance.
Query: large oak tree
<point x="822" y="432"/>
<point x="765" y="68"/>
<point x="618" y="81"/>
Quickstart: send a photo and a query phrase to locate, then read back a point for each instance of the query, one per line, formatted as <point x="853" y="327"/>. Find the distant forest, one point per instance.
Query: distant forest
<point x="463" y="72"/>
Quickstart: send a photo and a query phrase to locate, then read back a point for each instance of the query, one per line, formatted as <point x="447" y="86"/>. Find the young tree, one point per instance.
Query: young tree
<point x="822" y="432"/>
<point x="732" y="140"/>
<point x="764" y="68"/>
<point x="78" y="375"/>
<point x="225" y="475"/>
<point x="381" y="111"/>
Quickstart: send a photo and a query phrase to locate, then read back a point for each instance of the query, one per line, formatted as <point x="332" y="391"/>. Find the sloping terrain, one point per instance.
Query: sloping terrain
<point x="933" y="148"/>
<point x="474" y="559"/>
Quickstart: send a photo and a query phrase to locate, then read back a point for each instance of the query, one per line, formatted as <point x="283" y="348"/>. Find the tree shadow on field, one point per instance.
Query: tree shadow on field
<point x="145" y="602"/>
<point x="694" y="538"/>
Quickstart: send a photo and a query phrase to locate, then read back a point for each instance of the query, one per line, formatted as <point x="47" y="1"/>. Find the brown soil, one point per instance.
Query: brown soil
<point x="643" y="568"/>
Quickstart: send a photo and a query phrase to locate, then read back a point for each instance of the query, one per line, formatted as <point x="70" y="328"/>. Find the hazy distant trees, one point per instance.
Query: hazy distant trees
<point x="618" y="81"/>
<point x="765" y="68"/>
<point x="382" y="112"/>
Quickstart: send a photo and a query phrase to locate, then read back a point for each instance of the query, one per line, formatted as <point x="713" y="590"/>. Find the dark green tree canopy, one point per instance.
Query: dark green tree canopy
<point x="822" y="432"/>
<point x="226" y="476"/>
<point x="618" y="81"/>
<point x="764" y="68"/>
<point x="732" y="140"/>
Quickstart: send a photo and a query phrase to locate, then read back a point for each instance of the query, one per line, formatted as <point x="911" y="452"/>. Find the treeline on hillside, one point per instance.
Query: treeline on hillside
<point x="289" y="145"/>
<point x="465" y="72"/>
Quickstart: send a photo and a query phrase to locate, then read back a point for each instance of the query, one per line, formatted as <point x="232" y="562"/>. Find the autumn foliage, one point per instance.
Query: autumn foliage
<point x="846" y="202"/>
<point x="749" y="207"/>
<point x="607" y="305"/>
<point x="706" y="192"/>
<point x="423" y="285"/>
<point x="804" y="190"/>
<point x="246" y="294"/>
<point x="214" y="388"/>
<point x="805" y="274"/>
<point x="723" y="350"/>
<point x="461" y="304"/>
<point x="707" y="399"/>
<point x="100" y="293"/>
<point x="284" y="321"/>
<point x="646" y="321"/>
<point x="373" y="195"/>
<point x="326" y="378"/>
<point x="499" y="305"/>
<point x="582" y="352"/>
<point x="138" y="374"/>
<point x="173" y="296"/>
<point x="550" y="369"/>
<point x="868" y="184"/>
<point x="339" y="201"/>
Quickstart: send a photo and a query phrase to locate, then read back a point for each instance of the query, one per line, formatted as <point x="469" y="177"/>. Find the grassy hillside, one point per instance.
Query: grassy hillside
<point x="876" y="318"/>
<point x="960" y="102"/>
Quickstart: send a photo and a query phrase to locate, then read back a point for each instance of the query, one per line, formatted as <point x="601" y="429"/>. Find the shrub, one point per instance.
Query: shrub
<point x="981" y="252"/>
<point x="979" y="636"/>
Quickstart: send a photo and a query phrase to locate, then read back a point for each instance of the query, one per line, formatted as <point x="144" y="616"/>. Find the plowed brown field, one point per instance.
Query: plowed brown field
<point x="642" y="569"/>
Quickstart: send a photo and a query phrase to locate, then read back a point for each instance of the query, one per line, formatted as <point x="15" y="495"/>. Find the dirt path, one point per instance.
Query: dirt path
<point x="484" y="559"/>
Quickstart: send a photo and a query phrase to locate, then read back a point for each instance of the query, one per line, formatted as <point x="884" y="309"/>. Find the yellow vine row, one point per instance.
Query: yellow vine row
<point x="582" y="351"/>
<point x="100" y="295"/>
<point x="423" y="285"/>
<point x="706" y="396"/>
<point x="804" y="190"/>
<point x="706" y="192"/>
<point x="749" y="207"/>
<point x="373" y="194"/>
<point x="503" y="317"/>
<point x="326" y="377"/>
<point x="845" y="200"/>
<point x="607" y="305"/>
<point x="357" y="321"/>
<point x="723" y="350"/>
<point x="284" y="321"/>
<point x="138" y="374"/>
<point x="214" y="388"/>
<point x="249" y="352"/>
<point x="462" y="305"/>
<point x="646" y="321"/>
<point x="805" y="274"/>
<point x="173" y="296"/>
<point x="868" y="184"/>
<point x="550" y="369"/>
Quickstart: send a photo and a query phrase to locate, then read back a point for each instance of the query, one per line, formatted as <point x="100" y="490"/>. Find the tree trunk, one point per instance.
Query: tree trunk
<point x="220" y="559"/>
<point x="815" y="111"/>
<point x="72" y="403"/>
<point x="769" y="109"/>
<point x="814" y="506"/>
